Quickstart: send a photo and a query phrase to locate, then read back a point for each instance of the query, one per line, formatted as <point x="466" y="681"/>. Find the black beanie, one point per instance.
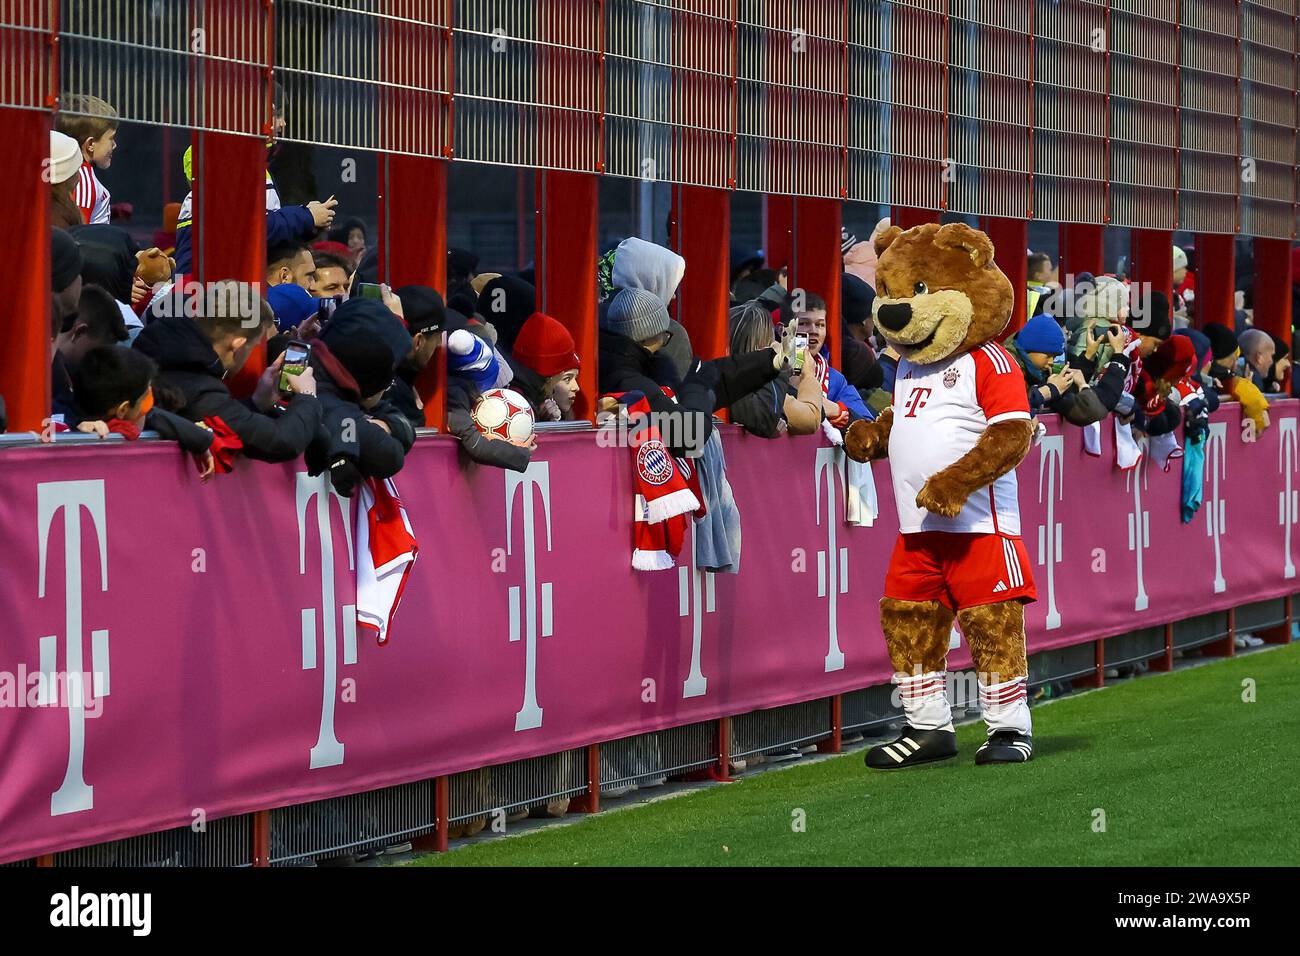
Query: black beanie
<point x="1222" y="342"/>
<point x="368" y="318"/>
<point x="65" y="260"/>
<point x="856" y="300"/>
<point x="507" y="302"/>
<point x="367" y="359"/>
<point x="1155" y="320"/>
<point x="423" y="308"/>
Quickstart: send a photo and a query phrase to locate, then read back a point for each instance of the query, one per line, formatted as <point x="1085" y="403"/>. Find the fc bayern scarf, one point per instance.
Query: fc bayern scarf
<point x="667" y="490"/>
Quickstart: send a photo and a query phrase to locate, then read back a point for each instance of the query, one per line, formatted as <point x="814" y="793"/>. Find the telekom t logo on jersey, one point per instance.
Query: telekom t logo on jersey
<point x="917" y="400"/>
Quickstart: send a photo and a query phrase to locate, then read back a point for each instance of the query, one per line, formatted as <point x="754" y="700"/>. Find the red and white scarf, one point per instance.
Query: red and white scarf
<point x="667" y="490"/>
<point x="386" y="553"/>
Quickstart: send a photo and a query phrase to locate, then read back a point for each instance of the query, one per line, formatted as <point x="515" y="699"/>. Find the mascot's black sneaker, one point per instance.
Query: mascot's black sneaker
<point x="913" y="747"/>
<point x="1006" y="746"/>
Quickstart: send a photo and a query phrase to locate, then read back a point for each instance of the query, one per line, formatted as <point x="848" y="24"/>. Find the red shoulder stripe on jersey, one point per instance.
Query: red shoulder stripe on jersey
<point x="1001" y="360"/>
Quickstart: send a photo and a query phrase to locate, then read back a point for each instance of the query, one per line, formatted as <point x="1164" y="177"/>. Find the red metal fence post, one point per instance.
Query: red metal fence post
<point x="818" y="262"/>
<point x="835" y="743"/>
<point x="589" y="802"/>
<point x="1165" y="661"/>
<point x="415" y="230"/>
<point x="1152" y="261"/>
<point x="567" y="254"/>
<point x="1083" y="248"/>
<point x="1281" y="634"/>
<point x="778" y="232"/>
<point x="905" y="217"/>
<point x="1011" y="251"/>
<point x="1216" y="259"/>
<point x="1272" y="291"/>
<point x="1227" y="645"/>
<point x="703" y="218"/>
<point x="260" y="826"/>
<point x="25" y="333"/>
<point x="723" y="771"/>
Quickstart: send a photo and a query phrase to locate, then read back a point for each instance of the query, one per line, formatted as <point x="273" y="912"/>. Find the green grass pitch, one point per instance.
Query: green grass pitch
<point x="1167" y="770"/>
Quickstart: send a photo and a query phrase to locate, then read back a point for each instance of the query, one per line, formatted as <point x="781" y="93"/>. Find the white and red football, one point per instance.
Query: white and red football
<point x="504" y="413"/>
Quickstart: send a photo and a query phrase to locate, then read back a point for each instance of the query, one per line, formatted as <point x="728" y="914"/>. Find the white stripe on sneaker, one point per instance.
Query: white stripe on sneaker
<point x="890" y="750"/>
<point x="912" y="743"/>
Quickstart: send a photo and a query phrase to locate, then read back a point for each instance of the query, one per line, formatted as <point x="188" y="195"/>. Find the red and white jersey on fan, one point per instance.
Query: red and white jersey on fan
<point x="91" y="196"/>
<point x="940" y="411"/>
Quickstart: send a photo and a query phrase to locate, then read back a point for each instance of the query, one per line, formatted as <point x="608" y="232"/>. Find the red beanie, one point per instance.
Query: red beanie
<point x="545" y="346"/>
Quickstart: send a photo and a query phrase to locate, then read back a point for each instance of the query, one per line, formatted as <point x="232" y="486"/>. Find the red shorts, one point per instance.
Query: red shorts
<point x="959" y="570"/>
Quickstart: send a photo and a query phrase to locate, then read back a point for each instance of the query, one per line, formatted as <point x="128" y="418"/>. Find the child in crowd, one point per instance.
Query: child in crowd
<point x="546" y="349"/>
<point x="92" y="124"/>
<point x="113" y="387"/>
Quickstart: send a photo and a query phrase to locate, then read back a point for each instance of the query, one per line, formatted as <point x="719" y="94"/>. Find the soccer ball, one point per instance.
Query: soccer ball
<point x="504" y="413"/>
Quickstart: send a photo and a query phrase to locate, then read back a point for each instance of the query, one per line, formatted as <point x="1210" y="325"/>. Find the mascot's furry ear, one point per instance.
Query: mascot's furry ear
<point x="885" y="238"/>
<point x="958" y="235"/>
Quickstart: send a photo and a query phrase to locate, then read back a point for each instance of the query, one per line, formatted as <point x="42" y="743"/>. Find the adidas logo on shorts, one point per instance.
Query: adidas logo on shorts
<point x="1001" y="586"/>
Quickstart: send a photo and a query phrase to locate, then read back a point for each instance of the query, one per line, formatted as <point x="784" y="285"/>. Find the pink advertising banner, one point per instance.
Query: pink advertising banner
<point x="217" y="619"/>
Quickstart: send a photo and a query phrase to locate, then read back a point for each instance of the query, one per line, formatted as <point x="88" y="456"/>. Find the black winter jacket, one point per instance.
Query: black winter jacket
<point x="188" y="364"/>
<point x="627" y="367"/>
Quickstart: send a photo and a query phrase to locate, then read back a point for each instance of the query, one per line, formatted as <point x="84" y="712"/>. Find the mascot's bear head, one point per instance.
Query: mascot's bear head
<point x="938" y="291"/>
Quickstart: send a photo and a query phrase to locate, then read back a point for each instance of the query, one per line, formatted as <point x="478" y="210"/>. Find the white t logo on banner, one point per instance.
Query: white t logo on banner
<point x="328" y="750"/>
<point x="1051" y="465"/>
<point x="833" y="563"/>
<point x="1288" y="500"/>
<point x="694" y="585"/>
<point x="1216" y="467"/>
<point x="537" y="476"/>
<point x="74" y="794"/>
<point x="1139" y="524"/>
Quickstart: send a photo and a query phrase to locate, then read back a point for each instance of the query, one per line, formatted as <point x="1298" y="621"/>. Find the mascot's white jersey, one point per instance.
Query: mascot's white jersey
<point x="940" y="411"/>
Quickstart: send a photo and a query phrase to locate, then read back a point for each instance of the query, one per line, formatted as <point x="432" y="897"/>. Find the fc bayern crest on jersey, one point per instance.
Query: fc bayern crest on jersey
<point x="653" y="463"/>
<point x="950" y="377"/>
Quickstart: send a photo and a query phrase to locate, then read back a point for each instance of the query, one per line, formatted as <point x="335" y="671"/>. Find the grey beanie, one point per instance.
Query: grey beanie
<point x="637" y="314"/>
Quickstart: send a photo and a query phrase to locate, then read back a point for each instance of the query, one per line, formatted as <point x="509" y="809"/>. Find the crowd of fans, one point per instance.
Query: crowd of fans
<point x="135" y="347"/>
<point x="132" y="351"/>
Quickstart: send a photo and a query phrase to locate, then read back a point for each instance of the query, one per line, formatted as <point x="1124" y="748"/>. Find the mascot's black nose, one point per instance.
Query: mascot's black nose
<point x="894" y="317"/>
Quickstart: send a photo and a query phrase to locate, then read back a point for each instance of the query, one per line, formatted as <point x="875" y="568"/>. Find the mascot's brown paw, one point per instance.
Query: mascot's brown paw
<point x="867" y="441"/>
<point x="942" y="496"/>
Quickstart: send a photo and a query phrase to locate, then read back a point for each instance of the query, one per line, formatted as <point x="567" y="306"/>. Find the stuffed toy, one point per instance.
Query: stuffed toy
<point x="958" y="426"/>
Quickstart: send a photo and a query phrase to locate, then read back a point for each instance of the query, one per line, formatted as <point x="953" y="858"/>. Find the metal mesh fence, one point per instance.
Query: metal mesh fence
<point x="648" y="758"/>
<point x="25" y="30"/>
<point x="1195" y="631"/>
<point x="1143" y="113"/>
<point x="224" y="842"/>
<point x="513" y="786"/>
<point x="778" y="727"/>
<point x="360" y="821"/>
<point x="196" y="63"/>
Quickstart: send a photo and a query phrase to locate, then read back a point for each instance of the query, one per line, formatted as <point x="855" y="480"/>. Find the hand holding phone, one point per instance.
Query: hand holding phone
<point x="800" y="353"/>
<point x="295" y="363"/>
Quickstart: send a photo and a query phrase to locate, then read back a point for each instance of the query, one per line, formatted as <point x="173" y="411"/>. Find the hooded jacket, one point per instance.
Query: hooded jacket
<point x="187" y="362"/>
<point x="645" y="265"/>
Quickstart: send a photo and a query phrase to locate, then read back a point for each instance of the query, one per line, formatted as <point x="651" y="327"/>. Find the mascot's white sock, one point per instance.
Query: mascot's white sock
<point x="925" y="700"/>
<point x="1005" y="706"/>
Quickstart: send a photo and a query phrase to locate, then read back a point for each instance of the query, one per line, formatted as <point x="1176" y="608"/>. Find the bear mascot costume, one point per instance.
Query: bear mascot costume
<point x="958" y="426"/>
